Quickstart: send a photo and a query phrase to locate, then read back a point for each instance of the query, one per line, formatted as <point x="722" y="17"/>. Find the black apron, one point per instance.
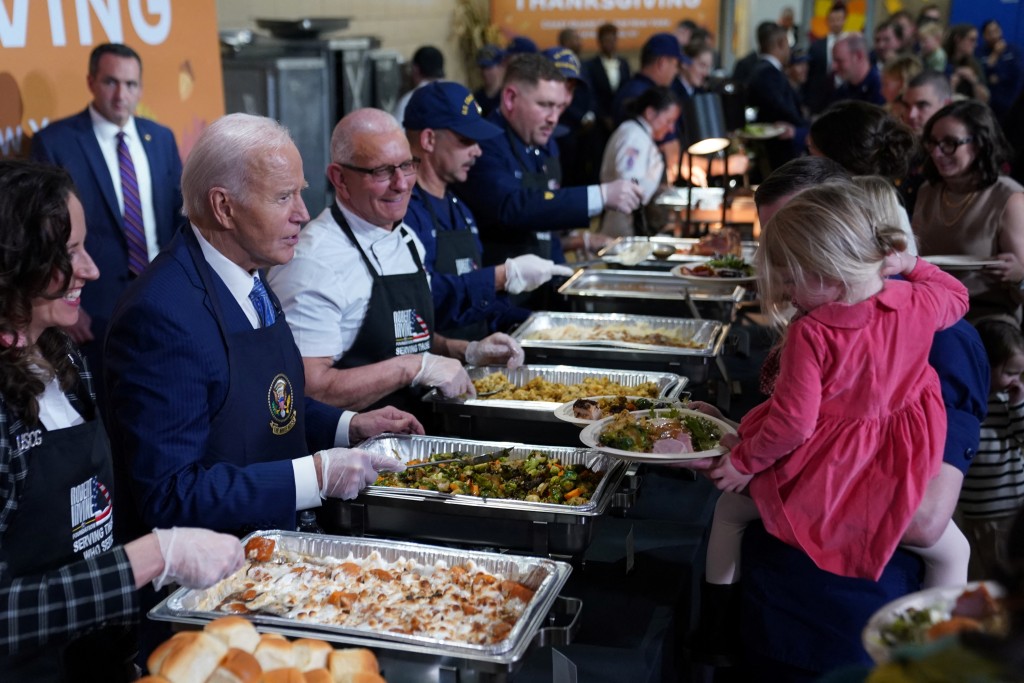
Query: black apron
<point x="65" y="514"/>
<point x="399" y="320"/>
<point x="457" y="253"/>
<point x="511" y="243"/>
<point x="262" y="417"/>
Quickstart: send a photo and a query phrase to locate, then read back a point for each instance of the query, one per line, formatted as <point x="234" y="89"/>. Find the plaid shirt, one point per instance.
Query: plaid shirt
<point x="77" y="597"/>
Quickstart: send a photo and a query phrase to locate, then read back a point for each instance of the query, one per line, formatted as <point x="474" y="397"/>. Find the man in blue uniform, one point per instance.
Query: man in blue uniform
<point x="211" y="425"/>
<point x="515" y="189"/>
<point x="444" y="127"/>
<point x="851" y="62"/>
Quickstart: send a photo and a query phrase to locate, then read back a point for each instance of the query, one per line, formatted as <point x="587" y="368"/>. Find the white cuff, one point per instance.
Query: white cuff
<point x="307" y="492"/>
<point x="341" y="436"/>
<point x="595" y="205"/>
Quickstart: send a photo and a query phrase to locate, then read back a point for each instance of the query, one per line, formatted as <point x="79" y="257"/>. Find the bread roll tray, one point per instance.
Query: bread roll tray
<point x="535" y="421"/>
<point x="707" y="335"/>
<point x="545" y="576"/>
<point x="539" y="528"/>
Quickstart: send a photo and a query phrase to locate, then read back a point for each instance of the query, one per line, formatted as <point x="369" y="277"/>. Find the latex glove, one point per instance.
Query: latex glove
<point x="623" y="196"/>
<point x="386" y="419"/>
<point x="447" y="374"/>
<point x="344" y="472"/>
<point x="495" y="349"/>
<point x="197" y="558"/>
<point x="528" y="272"/>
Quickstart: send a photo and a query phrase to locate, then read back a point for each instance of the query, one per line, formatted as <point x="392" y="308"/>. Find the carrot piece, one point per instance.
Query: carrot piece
<point x="572" y="494"/>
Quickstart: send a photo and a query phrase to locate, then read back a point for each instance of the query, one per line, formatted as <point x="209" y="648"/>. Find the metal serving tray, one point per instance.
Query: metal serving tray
<point x="544" y="575"/>
<point x="541" y="528"/>
<point x="646" y="292"/>
<point x="679" y="243"/>
<point x="534" y="421"/>
<point x="709" y="334"/>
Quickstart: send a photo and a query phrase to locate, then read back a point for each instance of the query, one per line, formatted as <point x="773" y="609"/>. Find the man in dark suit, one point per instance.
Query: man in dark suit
<point x="744" y="68"/>
<point x="210" y="425"/>
<point x="606" y="73"/>
<point x="93" y="146"/>
<point x="776" y="101"/>
<point x="820" y="79"/>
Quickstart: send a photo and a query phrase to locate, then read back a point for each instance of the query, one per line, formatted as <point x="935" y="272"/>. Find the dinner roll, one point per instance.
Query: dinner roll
<point x="274" y="652"/>
<point x="318" y="676"/>
<point x="361" y="677"/>
<point x="343" y="663"/>
<point x="187" y="657"/>
<point x="234" y="631"/>
<point x="237" y="666"/>
<point x="310" y="654"/>
<point x="288" y="675"/>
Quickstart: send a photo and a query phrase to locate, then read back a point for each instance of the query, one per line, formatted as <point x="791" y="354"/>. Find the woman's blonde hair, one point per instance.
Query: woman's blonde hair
<point x="829" y="231"/>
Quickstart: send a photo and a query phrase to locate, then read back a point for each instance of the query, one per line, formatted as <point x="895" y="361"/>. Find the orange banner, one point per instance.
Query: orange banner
<point x="541" y="20"/>
<point x="44" y="59"/>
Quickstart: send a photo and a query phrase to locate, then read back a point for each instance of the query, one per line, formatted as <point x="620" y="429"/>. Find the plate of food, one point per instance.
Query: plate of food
<point x="729" y="269"/>
<point x="931" y="614"/>
<point x="658" y="436"/>
<point x="960" y="261"/>
<point x="762" y="131"/>
<point x="586" y="411"/>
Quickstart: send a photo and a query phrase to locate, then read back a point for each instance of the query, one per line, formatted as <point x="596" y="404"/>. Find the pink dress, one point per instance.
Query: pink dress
<point x="844" y="448"/>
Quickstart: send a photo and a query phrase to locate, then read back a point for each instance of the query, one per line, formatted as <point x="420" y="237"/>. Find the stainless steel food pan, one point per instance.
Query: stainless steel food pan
<point x="683" y="245"/>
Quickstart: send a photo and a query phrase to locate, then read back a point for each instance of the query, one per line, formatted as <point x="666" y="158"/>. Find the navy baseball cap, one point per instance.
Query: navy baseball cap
<point x="665" y="45"/>
<point x="566" y="61"/>
<point x="521" y="45"/>
<point x="448" y="105"/>
<point x="798" y="56"/>
<point x="489" y="55"/>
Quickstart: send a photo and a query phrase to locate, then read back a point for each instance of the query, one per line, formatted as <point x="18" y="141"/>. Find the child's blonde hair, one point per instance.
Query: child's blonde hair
<point x="829" y="231"/>
<point x="885" y="206"/>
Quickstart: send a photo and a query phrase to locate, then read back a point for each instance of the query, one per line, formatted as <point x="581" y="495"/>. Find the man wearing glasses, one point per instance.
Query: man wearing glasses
<point x="356" y="294"/>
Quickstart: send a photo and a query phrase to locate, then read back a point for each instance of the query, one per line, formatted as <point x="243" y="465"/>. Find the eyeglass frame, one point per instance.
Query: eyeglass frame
<point x="930" y="144"/>
<point x="386" y="172"/>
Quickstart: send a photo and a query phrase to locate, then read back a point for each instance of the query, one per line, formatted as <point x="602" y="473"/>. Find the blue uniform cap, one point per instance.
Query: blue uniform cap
<point x="521" y="45"/>
<point x="489" y="55"/>
<point x="449" y="106"/>
<point x="566" y="61"/>
<point x="798" y="56"/>
<point x="665" y="45"/>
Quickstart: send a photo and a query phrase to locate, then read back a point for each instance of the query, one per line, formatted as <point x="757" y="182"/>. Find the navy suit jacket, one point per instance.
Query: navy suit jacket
<point x="769" y="90"/>
<point x="71" y="144"/>
<point x="820" y="81"/>
<point x="603" y="96"/>
<point x="167" y="378"/>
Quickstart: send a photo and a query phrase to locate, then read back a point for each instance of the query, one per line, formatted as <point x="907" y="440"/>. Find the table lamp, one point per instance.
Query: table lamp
<point x="705" y="125"/>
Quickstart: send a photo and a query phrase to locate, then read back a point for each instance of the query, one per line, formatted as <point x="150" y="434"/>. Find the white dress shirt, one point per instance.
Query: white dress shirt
<point x="55" y="410"/>
<point x="325" y="290"/>
<point x="611" y="69"/>
<point x="106" y="135"/>
<point x="239" y="282"/>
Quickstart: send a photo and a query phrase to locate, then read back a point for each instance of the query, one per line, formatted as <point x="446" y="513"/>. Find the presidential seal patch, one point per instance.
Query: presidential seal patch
<point x="281" y="403"/>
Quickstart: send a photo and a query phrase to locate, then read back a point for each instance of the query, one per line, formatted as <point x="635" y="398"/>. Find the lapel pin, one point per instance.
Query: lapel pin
<point x="147" y="137"/>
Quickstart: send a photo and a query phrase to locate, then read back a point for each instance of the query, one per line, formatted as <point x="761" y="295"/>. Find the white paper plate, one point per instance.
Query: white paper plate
<point x="589" y="437"/>
<point x="942" y="599"/>
<point x="564" y="411"/>
<point x="698" y="279"/>
<point x="763" y="131"/>
<point x="960" y="262"/>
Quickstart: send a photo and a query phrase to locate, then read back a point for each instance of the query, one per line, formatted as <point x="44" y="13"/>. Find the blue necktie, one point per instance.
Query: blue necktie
<point x="134" y="232"/>
<point x="261" y="300"/>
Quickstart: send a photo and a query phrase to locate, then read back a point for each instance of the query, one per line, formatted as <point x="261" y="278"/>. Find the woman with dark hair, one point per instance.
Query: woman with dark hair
<point x="967" y="207"/>
<point x="69" y="593"/>
<point x="632" y="154"/>
<point x="864" y="139"/>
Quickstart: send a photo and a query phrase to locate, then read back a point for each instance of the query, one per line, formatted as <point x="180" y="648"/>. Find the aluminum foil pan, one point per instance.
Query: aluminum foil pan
<point x="644" y="284"/>
<point x="706" y="335"/>
<point x="409" y="447"/>
<point x="669" y="386"/>
<point x="544" y="575"/>
<point x="681" y="244"/>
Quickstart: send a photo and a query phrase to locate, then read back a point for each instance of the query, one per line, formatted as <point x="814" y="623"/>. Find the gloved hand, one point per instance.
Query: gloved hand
<point x="344" y="472"/>
<point x="494" y="349"/>
<point x="447" y="374"/>
<point x="528" y="272"/>
<point x="197" y="558"/>
<point x="623" y="196"/>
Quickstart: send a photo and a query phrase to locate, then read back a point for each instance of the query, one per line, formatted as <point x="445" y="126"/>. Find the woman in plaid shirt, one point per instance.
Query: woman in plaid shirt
<point x="67" y="592"/>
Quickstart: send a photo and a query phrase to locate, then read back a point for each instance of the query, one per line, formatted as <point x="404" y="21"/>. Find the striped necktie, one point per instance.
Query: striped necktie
<point x="134" y="231"/>
<point x="261" y="301"/>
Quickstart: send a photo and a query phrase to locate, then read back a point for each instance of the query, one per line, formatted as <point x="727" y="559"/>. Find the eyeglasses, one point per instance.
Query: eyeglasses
<point x="383" y="173"/>
<point x="947" y="146"/>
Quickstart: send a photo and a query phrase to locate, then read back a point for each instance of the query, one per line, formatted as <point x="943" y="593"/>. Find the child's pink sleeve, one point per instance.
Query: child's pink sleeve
<point x="939" y="291"/>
